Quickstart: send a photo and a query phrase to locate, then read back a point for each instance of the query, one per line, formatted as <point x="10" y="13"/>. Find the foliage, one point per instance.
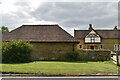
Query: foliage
<point x="92" y="55"/>
<point x="4" y="29"/>
<point x="88" y="55"/>
<point x="72" y="56"/>
<point x="16" y="51"/>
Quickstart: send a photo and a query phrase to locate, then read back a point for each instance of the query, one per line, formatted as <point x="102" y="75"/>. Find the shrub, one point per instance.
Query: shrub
<point x="16" y="51"/>
<point x="72" y="56"/>
<point x="93" y="55"/>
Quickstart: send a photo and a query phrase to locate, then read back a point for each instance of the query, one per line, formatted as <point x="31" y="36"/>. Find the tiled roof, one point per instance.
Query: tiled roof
<point x="110" y="34"/>
<point x="39" y="33"/>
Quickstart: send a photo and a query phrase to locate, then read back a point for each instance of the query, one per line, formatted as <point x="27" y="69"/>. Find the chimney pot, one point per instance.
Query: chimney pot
<point x="90" y="27"/>
<point x="115" y="28"/>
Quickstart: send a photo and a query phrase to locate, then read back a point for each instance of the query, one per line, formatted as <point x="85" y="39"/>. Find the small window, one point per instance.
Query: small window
<point x="81" y="46"/>
<point x="117" y="47"/>
<point x="101" y="46"/>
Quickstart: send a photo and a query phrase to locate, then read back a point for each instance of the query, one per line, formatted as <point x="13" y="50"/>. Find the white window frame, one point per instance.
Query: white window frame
<point x="92" y="37"/>
<point x="97" y="40"/>
<point x="116" y="47"/>
<point x="87" y="40"/>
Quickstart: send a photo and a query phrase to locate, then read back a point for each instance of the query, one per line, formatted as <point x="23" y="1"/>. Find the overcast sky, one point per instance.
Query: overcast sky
<point x="69" y="15"/>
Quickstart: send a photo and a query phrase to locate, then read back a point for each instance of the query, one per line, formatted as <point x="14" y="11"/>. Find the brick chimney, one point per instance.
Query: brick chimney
<point x="90" y="27"/>
<point x="115" y="28"/>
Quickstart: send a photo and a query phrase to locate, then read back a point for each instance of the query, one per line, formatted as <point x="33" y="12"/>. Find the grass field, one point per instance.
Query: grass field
<point x="61" y="68"/>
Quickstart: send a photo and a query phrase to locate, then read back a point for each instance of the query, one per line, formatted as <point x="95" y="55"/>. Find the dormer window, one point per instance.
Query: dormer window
<point x="92" y="37"/>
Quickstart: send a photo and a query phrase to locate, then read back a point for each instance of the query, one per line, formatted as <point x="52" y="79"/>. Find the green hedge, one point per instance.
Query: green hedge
<point x="72" y="56"/>
<point x="16" y="51"/>
<point x="94" y="55"/>
<point x="88" y="55"/>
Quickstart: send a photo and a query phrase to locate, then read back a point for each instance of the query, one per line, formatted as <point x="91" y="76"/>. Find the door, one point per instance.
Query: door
<point x="92" y="47"/>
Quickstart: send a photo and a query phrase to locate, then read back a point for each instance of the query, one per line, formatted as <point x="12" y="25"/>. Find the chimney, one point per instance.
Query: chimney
<point x="115" y="28"/>
<point x="90" y="27"/>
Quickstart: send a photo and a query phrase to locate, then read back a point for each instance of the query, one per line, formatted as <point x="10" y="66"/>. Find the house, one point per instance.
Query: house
<point x="48" y="41"/>
<point x="98" y="39"/>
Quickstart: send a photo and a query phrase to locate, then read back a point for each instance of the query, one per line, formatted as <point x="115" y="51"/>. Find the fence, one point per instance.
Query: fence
<point x="116" y="58"/>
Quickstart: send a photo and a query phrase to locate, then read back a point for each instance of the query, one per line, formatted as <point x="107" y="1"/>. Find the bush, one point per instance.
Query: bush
<point x="72" y="56"/>
<point x="92" y="55"/>
<point x="88" y="55"/>
<point x="16" y="51"/>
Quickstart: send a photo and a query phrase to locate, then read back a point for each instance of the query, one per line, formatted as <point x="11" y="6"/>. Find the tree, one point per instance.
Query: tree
<point x="4" y="29"/>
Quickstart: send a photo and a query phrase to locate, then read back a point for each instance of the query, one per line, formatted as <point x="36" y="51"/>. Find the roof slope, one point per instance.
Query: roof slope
<point x="112" y="34"/>
<point x="39" y="33"/>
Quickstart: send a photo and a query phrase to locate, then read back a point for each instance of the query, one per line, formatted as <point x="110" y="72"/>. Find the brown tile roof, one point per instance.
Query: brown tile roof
<point x="39" y="33"/>
<point x="103" y="33"/>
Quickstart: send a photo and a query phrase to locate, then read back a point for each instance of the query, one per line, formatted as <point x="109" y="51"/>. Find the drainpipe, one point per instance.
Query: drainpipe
<point x="117" y="57"/>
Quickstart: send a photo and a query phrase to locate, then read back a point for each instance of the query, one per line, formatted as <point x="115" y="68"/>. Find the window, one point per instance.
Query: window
<point x="81" y="46"/>
<point x="87" y="40"/>
<point x="92" y="37"/>
<point x="101" y="46"/>
<point x="117" y="47"/>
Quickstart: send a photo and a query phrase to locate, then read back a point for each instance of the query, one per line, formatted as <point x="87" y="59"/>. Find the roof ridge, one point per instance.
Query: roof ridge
<point x="41" y="25"/>
<point x="34" y="25"/>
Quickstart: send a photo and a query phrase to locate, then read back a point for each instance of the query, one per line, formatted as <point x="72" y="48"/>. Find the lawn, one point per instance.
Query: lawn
<point x="61" y="68"/>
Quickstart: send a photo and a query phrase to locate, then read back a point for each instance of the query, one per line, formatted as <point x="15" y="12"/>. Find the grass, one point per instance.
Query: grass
<point x="61" y="68"/>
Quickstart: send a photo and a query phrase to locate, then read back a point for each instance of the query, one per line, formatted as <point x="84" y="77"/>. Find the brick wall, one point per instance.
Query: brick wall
<point x="50" y="51"/>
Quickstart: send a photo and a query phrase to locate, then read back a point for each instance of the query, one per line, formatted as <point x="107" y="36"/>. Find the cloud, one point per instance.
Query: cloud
<point x="119" y="14"/>
<point x="78" y="14"/>
<point x="69" y="15"/>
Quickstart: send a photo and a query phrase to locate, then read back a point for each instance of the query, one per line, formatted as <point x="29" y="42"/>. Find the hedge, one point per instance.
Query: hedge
<point x="72" y="56"/>
<point x="88" y="55"/>
<point x="16" y="51"/>
<point x="94" y="55"/>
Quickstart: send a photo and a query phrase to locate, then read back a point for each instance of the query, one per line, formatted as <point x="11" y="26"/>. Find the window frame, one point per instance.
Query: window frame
<point x="92" y="39"/>
<point x="116" y="47"/>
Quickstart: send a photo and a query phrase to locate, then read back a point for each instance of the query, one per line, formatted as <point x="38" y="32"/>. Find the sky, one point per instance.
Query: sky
<point x="70" y="15"/>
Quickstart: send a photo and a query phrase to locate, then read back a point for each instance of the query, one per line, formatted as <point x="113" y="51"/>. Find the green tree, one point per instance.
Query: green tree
<point x="4" y="29"/>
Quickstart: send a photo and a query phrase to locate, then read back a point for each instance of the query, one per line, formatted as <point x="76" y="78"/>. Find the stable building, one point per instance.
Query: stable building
<point x="48" y="41"/>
